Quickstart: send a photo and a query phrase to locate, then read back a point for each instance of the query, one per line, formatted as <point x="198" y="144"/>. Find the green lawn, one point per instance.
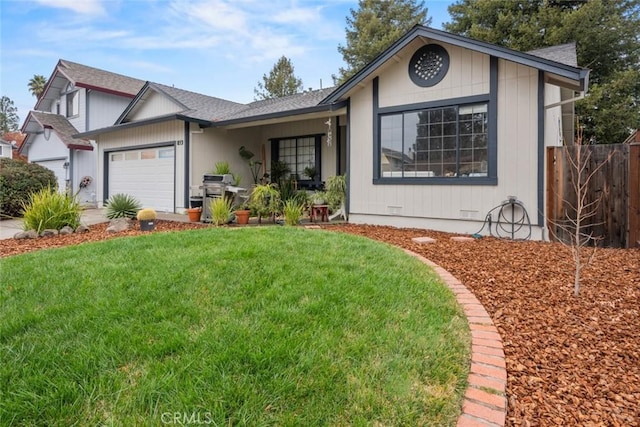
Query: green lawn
<point x="251" y="326"/>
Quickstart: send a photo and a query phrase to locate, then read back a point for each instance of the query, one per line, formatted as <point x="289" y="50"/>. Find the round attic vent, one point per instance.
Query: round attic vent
<point x="429" y="65"/>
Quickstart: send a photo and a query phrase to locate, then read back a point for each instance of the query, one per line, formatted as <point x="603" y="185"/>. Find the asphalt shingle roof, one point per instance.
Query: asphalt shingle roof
<point x="199" y="106"/>
<point x="97" y="78"/>
<point x="278" y="105"/>
<point x="61" y="127"/>
<point x="562" y="53"/>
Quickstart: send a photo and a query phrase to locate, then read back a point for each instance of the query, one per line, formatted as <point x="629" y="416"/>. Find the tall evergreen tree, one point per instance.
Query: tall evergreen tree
<point x="373" y="27"/>
<point x="280" y="82"/>
<point x="8" y="116"/>
<point x="607" y="33"/>
<point x="37" y="84"/>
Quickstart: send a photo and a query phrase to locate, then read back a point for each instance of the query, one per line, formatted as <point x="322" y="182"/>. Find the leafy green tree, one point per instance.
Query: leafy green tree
<point x="608" y="42"/>
<point x="373" y="27"/>
<point x="37" y="84"/>
<point x="8" y="115"/>
<point x="280" y="82"/>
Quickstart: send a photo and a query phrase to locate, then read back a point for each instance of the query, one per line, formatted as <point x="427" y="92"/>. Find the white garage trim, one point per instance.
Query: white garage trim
<point x="57" y="167"/>
<point x="144" y="172"/>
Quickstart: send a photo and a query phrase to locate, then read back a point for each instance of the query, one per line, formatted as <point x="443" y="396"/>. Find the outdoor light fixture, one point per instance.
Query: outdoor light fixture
<point x="47" y="132"/>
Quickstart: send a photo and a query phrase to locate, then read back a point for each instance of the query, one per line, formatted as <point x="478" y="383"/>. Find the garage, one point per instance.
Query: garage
<point x="147" y="174"/>
<point x="57" y="166"/>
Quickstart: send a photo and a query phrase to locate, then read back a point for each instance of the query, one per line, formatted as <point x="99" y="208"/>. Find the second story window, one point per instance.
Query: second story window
<point x="73" y="104"/>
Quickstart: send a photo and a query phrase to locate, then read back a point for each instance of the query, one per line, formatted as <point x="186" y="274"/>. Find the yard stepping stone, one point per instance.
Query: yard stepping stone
<point x="423" y="240"/>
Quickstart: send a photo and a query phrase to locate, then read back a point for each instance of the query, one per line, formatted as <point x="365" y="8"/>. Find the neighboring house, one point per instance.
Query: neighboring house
<point x="76" y="99"/>
<point x="6" y="149"/>
<point x="433" y="133"/>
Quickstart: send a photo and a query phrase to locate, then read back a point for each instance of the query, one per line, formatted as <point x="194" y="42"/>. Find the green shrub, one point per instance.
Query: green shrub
<point x="292" y="212"/>
<point x="18" y="180"/>
<point x="265" y="200"/>
<point x="49" y="209"/>
<point x="221" y="209"/>
<point x="122" y="206"/>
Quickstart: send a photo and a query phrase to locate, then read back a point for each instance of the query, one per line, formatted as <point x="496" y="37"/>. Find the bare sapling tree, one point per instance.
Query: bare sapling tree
<point x="577" y="227"/>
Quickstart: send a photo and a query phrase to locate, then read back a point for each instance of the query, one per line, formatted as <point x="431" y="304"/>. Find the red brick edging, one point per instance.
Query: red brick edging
<point x="485" y="402"/>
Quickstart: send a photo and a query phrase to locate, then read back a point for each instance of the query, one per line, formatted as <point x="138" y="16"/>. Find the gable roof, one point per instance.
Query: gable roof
<point x="194" y="105"/>
<point x="571" y="76"/>
<point x="89" y="78"/>
<point x="36" y="121"/>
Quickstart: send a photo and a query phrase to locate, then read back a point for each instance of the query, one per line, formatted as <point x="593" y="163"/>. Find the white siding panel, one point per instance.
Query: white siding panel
<point x="104" y="109"/>
<point x="41" y="149"/>
<point x="468" y="75"/>
<point x="155" y="105"/>
<point x="80" y="121"/>
<point x="85" y="164"/>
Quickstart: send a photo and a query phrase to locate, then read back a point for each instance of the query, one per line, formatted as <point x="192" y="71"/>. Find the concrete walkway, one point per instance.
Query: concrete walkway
<point x="9" y="227"/>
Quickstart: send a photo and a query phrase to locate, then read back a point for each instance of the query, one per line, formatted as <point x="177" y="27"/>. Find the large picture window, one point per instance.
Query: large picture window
<point x="445" y="142"/>
<point x="301" y="154"/>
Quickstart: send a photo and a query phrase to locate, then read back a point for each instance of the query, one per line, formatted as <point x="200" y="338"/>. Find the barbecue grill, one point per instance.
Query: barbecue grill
<point x="213" y="187"/>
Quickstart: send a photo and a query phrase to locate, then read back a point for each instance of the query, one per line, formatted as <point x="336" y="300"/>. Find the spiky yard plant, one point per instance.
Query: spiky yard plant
<point x="50" y="209"/>
<point x="122" y="205"/>
<point x="292" y="212"/>
<point x="221" y="209"/>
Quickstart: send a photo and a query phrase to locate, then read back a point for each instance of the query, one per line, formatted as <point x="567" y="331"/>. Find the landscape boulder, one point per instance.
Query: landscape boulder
<point x="49" y="232"/>
<point x="118" y="225"/>
<point x="29" y="234"/>
<point x="66" y="230"/>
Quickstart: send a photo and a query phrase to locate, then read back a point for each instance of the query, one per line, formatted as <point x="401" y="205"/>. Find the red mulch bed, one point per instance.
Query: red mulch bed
<point x="570" y="361"/>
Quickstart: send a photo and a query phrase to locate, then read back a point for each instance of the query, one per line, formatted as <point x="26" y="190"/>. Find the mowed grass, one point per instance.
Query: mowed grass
<point x="253" y="326"/>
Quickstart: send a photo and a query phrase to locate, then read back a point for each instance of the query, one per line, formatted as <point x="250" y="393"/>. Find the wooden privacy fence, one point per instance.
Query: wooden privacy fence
<point x="616" y="184"/>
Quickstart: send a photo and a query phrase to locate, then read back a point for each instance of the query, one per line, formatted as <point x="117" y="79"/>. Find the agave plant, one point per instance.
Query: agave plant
<point x="122" y="206"/>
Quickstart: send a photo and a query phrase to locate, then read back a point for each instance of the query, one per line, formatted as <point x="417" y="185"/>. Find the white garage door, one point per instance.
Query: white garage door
<point x="57" y="166"/>
<point x="147" y="175"/>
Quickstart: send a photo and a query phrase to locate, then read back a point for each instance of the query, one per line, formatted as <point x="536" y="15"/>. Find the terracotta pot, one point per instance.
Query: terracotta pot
<point x="194" y="214"/>
<point x="243" y="217"/>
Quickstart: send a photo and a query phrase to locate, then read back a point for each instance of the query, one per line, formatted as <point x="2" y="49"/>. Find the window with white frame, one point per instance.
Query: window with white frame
<point x="444" y="142"/>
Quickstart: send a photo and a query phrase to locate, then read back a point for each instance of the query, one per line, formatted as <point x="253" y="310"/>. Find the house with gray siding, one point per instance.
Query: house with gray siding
<point x="76" y="98"/>
<point x="434" y="133"/>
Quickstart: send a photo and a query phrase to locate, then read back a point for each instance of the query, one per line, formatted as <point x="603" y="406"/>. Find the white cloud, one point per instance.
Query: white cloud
<point x="84" y="7"/>
<point x="298" y="15"/>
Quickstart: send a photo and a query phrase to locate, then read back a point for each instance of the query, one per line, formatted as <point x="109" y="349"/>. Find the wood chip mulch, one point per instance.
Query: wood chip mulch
<point x="570" y="361"/>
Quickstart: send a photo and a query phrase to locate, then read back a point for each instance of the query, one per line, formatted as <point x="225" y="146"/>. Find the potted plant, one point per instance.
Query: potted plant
<point x="194" y="214"/>
<point x="319" y="198"/>
<point x="147" y="219"/>
<point x="310" y="171"/>
<point x="243" y="213"/>
<point x="279" y="171"/>
<point x="265" y="200"/>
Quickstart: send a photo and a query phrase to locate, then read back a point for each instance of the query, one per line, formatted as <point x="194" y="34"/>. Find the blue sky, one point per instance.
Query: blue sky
<point x="216" y="47"/>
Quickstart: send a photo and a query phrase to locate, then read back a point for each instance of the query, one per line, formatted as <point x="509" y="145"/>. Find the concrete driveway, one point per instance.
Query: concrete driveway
<point x="9" y="227"/>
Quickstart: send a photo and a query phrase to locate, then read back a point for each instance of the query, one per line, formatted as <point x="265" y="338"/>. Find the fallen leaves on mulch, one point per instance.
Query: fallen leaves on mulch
<point x="570" y="361"/>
